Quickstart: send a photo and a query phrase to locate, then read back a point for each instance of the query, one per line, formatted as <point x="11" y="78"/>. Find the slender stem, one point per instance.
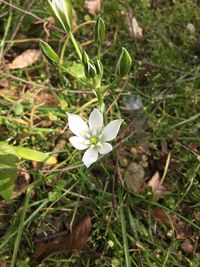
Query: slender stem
<point x="63" y="50"/>
<point x="78" y="51"/>
<point x="21" y="227"/>
<point x="100" y="98"/>
<point x="5" y="34"/>
<point x="99" y="52"/>
<point x="124" y="233"/>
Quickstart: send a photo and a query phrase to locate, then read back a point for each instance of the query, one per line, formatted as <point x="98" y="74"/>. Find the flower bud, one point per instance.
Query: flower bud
<point x="61" y="10"/>
<point x="99" y="31"/>
<point x="85" y="58"/>
<point x="49" y="53"/>
<point x="90" y="70"/>
<point x="124" y="63"/>
<point x="99" y="67"/>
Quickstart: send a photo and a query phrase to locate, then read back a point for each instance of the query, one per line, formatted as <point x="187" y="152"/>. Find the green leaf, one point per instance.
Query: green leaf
<point x="8" y="176"/>
<point x="34" y="155"/>
<point x="49" y="53"/>
<point x="7" y="155"/>
<point x="5" y="149"/>
<point x="77" y="71"/>
<point x="8" y="170"/>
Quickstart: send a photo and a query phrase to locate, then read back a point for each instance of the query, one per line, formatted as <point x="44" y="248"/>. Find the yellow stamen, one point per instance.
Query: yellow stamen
<point x="93" y="140"/>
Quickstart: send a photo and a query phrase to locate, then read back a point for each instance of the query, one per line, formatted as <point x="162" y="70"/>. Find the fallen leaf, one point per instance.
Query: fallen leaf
<point x="26" y="59"/>
<point x="159" y="190"/>
<point x="164" y="218"/>
<point x="47" y="99"/>
<point x="4" y="83"/>
<point x="21" y="184"/>
<point x="134" y="177"/>
<point x="187" y="246"/>
<point x="182" y="230"/>
<point x="136" y="32"/>
<point x="76" y="241"/>
<point x="93" y="7"/>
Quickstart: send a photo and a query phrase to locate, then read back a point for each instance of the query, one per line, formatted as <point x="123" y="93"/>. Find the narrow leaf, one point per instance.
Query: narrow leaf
<point x="34" y="155"/>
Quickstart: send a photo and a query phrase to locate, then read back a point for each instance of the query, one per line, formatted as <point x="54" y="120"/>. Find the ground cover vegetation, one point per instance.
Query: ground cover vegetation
<point x="135" y="206"/>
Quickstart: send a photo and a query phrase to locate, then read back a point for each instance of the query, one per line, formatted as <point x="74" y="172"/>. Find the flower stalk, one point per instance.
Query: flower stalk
<point x="75" y="44"/>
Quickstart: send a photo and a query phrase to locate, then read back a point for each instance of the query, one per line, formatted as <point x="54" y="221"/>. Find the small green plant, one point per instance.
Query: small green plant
<point x="93" y="69"/>
<point x="9" y="158"/>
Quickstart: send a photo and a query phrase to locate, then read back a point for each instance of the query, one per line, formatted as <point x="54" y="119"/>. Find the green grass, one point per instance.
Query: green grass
<point x="165" y="75"/>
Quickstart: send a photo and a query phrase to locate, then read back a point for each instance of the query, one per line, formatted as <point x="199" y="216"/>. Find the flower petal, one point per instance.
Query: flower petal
<point x="90" y="156"/>
<point x="78" y="142"/>
<point x="96" y="120"/>
<point x="105" y="148"/>
<point x="77" y="125"/>
<point x="55" y="7"/>
<point x="111" y="130"/>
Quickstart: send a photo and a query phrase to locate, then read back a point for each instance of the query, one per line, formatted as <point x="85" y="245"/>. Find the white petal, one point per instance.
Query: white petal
<point x="61" y="5"/>
<point x="90" y="156"/>
<point x="96" y="120"/>
<point x="77" y="125"/>
<point x="78" y="142"/>
<point x="111" y="130"/>
<point x="57" y="4"/>
<point x="105" y="148"/>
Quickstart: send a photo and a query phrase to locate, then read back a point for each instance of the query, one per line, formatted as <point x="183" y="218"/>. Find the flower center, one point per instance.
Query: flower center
<point x="93" y="140"/>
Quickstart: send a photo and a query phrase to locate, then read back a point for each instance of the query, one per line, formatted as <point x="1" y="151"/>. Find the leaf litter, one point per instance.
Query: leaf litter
<point x="76" y="241"/>
<point x="26" y="59"/>
<point x="93" y="7"/>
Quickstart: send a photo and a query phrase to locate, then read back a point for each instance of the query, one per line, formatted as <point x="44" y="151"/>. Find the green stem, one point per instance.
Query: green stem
<point x="124" y="232"/>
<point x="99" y="52"/>
<point x="78" y="51"/>
<point x="100" y="98"/>
<point x="21" y="227"/>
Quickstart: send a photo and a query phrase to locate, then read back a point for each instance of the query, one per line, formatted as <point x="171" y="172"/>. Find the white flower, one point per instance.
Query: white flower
<point x="62" y="12"/>
<point x="92" y="136"/>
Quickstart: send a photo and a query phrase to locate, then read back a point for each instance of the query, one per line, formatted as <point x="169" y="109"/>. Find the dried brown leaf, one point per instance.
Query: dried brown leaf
<point x="26" y="59"/>
<point x="93" y="7"/>
<point x="187" y="246"/>
<point x="164" y="218"/>
<point x="76" y="241"/>
<point x="136" y="32"/>
<point x="182" y="230"/>
<point x="46" y="98"/>
<point x="4" y="83"/>
<point x="159" y="190"/>
<point x="134" y="177"/>
<point x="21" y="184"/>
